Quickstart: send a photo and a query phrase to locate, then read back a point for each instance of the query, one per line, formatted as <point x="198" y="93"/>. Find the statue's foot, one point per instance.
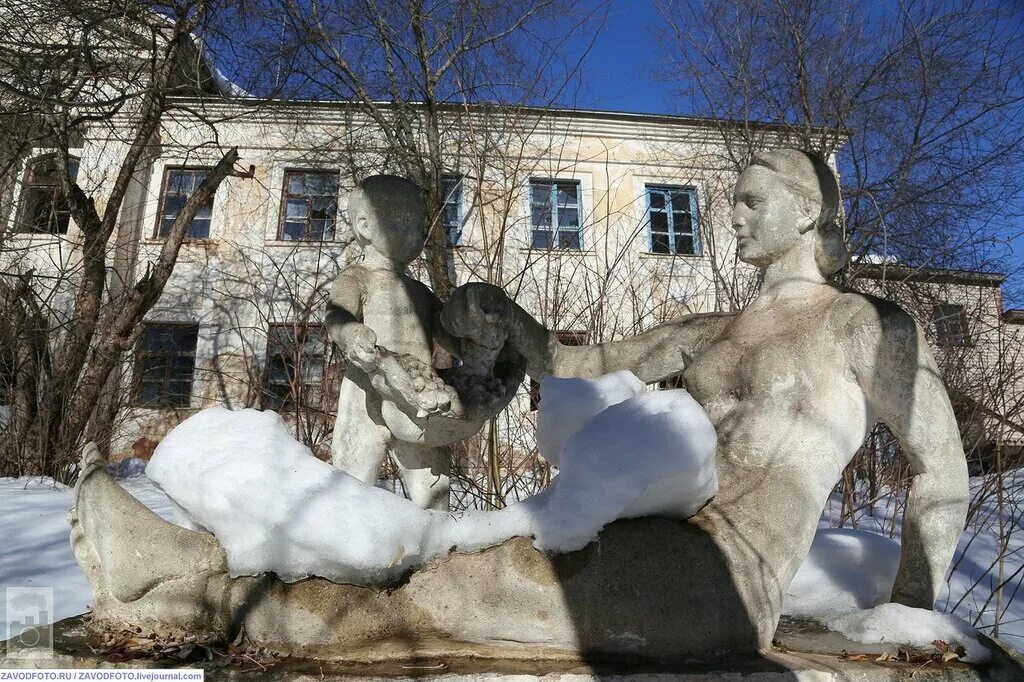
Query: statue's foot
<point x="143" y="570"/>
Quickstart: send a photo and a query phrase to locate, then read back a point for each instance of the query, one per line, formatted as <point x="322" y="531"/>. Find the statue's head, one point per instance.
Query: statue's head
<point x="783" y="195"/>
<point x="389" y="213"/>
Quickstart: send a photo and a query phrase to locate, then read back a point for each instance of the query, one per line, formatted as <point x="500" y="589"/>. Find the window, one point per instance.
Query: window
<point x="164" y="364"/>
<point x="672" y="220"/>
<point x="295" y="366"/>
<point x="44" y="208"/>
<point x="310" y="205"/>
<point x="950" y="325"/>
<point x="179" y="185"/>
<point x="451" y="208"/>
<point x="555" y="214"/>
<point x="568" y="339"/>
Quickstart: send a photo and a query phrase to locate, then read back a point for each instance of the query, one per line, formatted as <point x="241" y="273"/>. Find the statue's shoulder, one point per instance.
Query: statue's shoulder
<point x="857" y="312"/>
<point x="351" y="279"/>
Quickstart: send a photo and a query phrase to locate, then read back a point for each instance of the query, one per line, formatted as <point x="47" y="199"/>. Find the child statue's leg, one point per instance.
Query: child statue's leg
<point x="360" y="443"/>
<point x="425" y="473"/>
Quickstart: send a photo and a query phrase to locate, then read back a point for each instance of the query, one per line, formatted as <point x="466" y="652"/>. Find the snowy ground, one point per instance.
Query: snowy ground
<point x="34" y="546"/>
<point x="975" y="571"/>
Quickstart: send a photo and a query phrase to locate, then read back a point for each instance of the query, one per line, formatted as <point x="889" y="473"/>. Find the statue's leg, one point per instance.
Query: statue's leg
<point x="360" y="442"/>
<point x="425" y="472"/>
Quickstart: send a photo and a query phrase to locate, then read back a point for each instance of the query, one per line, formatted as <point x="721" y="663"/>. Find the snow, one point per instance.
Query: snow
<point x="568" y="404"/>
<point x="905" y="625"/>
<point x="274" y="507"/>
<point x="36" y="551"/>
<point x="848" y="574"/>
<point x="845" y="582"/>
<point x="846" y="569"/>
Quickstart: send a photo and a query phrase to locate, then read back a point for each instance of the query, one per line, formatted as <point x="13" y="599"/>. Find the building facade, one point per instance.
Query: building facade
<point x="601" y="224"/>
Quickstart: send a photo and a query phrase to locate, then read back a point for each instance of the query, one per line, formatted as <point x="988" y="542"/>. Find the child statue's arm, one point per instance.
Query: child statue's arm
<point x="344" y="322"/>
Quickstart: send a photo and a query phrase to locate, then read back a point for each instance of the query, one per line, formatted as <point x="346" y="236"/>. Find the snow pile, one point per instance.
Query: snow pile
<point x="568" y="404"/>
<point x="905" y="625"/>
<point x="274" y="507"/>
<point x="846" y="569"/>
<point x="845" y="582"/>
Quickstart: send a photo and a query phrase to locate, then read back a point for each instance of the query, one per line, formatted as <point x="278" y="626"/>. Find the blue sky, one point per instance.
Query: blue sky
<point x="620" y="72"/>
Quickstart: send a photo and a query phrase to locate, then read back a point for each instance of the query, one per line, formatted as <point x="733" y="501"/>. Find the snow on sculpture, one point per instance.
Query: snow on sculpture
<point x="211" y="463"/>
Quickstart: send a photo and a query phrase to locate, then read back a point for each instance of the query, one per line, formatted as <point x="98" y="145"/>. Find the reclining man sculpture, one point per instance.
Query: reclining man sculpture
<point x="792" y="384"/>
<point x="392" y="399"/>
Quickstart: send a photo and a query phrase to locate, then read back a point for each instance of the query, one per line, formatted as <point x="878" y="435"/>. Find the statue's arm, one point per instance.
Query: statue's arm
<point x="652" y="355"/>
<point x="484" y="314"/>
<point x="344" y="319"/>
<point x="901" y="381"/>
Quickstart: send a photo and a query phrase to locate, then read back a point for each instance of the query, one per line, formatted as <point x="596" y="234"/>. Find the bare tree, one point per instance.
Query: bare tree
<point x="414" y="67"/>
<point x="922" y="100"/>
<point x="109" y="70"/>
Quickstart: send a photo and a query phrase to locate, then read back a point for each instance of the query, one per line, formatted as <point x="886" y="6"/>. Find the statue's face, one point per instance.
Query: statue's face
<point x="766" y="217"/>
<point x="397" y="235"/>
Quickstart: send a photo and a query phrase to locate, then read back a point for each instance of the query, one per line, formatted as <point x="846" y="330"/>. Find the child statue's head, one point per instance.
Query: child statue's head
<point x="388" y="213"/>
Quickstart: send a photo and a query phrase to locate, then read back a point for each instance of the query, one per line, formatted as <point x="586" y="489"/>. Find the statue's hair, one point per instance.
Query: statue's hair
<point x="388" y="194"/>
<point x="809" y="178"/>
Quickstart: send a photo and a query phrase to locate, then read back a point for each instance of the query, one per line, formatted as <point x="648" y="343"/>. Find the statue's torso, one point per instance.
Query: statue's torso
<point x="399" y="310"/>
<point x="778" y="386"/>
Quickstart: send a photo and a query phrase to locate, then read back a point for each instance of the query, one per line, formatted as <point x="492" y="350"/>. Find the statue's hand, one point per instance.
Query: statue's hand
<point x="410" y="382"/>
<point x="361" y="349"/>
<point x="480" y="313"/>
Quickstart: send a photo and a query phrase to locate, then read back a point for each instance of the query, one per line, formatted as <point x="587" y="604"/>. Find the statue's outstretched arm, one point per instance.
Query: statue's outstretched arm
<point x="895" y="367"/>
<point x="652" y="355"/>
<point x="484" y="314"/>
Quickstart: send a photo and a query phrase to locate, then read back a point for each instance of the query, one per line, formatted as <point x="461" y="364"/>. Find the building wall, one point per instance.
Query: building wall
<point x="244" y="278"/>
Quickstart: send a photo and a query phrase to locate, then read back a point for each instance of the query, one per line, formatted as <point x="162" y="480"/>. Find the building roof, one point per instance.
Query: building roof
<point x="1013" y="316"/>
<point x="552" y="111"/>
<point x="929" y="275"/>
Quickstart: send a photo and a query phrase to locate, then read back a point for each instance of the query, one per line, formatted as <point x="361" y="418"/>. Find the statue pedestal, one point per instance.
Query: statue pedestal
<point x="802" y="652"/>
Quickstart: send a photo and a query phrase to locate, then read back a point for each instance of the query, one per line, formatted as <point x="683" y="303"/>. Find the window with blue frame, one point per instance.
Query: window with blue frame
<point x="451" y="207"/>
<point x="555" y="214"/>
<point x="672" y="225"/>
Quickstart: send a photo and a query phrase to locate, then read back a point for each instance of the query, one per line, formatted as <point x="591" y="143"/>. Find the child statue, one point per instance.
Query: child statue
<point x="392" y="401"/>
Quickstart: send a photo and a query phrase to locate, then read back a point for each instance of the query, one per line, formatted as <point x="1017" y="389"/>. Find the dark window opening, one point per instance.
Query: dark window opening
<point x="8" y="369"/>
<point x="164" y="365"/>
<point x="179" y="185"/>
<point x="300" y="366"/>
<point x="951" y="325"/>
<point x="44" y="208"/>
<point x="310" y="206"/>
